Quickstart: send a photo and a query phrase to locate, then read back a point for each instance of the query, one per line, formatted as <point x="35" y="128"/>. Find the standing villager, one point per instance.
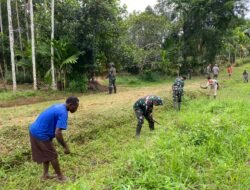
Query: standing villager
<point x="50" y="124"/>
<point x="143" y="109"/>
<point x="178" y="92"/>
<point x="212" y="86"/>
<point x="112" y="78"/>
<point x="216" y="71"/>
<point x="245" y="76"/>
<point x="229" y="71"/>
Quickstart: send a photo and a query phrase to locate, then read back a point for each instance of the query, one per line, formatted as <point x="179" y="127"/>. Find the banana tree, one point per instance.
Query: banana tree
<point x="65" y="56"/>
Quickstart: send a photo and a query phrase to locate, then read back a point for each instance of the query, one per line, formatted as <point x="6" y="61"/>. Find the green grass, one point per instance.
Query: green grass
<point x="9" y="95"/>
<point x="142" y="80"/>
<point x="205" y="146"/>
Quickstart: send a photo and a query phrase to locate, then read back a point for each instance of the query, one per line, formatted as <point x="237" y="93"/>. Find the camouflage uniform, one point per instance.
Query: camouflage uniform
<point x="144" y="108"/>
<point x="112" y="78"/>
<point x="208" y="71"/>
<point x="178" y="92"/>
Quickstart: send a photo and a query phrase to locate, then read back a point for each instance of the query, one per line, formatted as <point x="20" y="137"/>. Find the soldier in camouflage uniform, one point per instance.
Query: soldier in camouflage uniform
<point x="112" y="78"/>
<point x="144" y="108"/>
<point x="177" y="88"/>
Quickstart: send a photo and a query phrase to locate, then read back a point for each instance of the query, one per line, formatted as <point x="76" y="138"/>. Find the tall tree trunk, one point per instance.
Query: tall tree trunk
<point x="33" y="45"/>
<point x="52" y="44"/>
<point x="3" y="54"/>
<point x="19" y="33"/>
<point x="19" y="28"/>
<point x="27" y="20"/>
<point x="11" y="37"/>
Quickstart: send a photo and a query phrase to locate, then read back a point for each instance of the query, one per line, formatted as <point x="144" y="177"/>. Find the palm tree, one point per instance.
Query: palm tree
<point x="4" y="63"/>
<point x="19" y="27"/>
<point x="52" y="45"/>
<point x="11" y="37"/>
<point x="33" y="45"/>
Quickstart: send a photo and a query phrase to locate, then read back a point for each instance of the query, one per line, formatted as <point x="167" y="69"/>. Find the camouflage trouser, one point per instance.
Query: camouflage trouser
<point x="245" y="78"/>
<point x="140" y="117"/>
<point x="177" y="95"/>
<point x="112" y="85"/>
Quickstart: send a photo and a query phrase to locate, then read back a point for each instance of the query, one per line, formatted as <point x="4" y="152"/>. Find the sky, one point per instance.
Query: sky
<point x="140" y="5"/>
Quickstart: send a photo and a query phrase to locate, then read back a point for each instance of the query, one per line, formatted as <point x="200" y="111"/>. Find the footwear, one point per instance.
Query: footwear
<point x="62" y="178"/>
<point x="46" y="177"/>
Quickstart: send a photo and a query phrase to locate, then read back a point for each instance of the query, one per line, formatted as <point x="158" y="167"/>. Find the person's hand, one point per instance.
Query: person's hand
<point x="66" y="150"/>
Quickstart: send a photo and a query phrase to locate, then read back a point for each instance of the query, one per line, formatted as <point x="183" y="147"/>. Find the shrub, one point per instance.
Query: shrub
<point x="151" y="76"/>
<point x="78" y="84"/>
<point x="242" y="61"/>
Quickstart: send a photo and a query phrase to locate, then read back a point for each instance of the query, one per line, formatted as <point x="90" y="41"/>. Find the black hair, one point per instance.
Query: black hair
<point x="72" y="100"/>
<point x="208" y="77"/>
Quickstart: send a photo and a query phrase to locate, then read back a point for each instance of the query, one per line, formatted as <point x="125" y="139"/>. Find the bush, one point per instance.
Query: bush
<point x="20" y="78"/>
<point x="242" y="61"/>
<point x="151" y="76"/>
<point x="78" y="84"/>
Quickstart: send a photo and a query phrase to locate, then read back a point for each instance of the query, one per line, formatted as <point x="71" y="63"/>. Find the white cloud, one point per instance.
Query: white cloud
<point x="138" y="5"/>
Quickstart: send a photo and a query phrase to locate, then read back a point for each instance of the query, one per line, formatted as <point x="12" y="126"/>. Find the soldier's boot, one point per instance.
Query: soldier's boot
<point x="152" y="126"/>
<point x="138" y="129"/>
<point x="175" y="105"/>
<point x="115" y="89"/>
<point x="110" y="90"/>
<point x="179" y="106"/>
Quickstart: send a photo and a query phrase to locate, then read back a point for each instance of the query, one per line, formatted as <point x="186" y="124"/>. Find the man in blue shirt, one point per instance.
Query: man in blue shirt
<point x="47" y="126"/>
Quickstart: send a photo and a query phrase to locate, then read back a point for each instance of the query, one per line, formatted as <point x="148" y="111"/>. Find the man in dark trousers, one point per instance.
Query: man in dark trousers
<point x="144" y="108"/>
<point x="50" y="124"/>
<point x="178" y="92"/>
<point x="112" y="78"/>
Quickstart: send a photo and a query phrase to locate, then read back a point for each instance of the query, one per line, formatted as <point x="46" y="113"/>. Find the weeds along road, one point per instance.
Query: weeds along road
<point x="91" y="104"/>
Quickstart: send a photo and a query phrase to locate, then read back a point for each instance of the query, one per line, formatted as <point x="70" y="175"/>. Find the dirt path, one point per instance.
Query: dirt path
<point x="89" y="104"/>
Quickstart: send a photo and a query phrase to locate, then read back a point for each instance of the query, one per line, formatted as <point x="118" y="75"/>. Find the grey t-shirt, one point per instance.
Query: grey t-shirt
<point x="216" y="70"/>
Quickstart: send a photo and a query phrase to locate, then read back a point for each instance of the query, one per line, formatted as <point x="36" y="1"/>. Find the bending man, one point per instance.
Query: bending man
<point x="50" y="124"/>
<point x="212" y="86"/>
<point x="144" y="108"/>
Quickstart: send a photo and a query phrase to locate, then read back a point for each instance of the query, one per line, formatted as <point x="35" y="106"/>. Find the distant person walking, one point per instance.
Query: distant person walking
<point x="144" y="108"/>
<point x="215" y="71"/>
<point x="50" y="124"/>
<point x="212" y="86"/>
<point x="229" y="71"/>
<point x="208" y="70"/>
<point x="112" y="78"/>
<point x="245" y="76"/>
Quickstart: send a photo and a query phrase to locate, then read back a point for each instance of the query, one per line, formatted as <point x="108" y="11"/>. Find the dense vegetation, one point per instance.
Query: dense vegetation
<point x="86" y="35"/>
<point x="204" y="146"/>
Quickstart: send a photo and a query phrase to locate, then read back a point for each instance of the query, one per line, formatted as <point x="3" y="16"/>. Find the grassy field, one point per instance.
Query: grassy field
<point x="204" y="146"/>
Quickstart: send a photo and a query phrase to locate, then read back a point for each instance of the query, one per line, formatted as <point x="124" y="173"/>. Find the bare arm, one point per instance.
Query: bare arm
<point x="60" y="139"/>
